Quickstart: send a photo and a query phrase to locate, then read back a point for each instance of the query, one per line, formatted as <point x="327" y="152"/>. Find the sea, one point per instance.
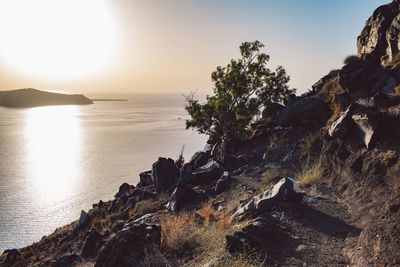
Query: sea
<point x="58" y="160"/>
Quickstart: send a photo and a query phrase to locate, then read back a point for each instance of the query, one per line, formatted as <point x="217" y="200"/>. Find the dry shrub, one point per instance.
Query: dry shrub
<point x="335" y="109"/>
<point x="208" y="212"/>
<point x="310" y="173"/>
<point x="178" y="232"/>
<point x="397" y="90"/>
<point x="329" y="90"/>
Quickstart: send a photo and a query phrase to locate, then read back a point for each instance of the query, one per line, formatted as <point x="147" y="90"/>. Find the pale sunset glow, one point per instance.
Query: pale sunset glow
<point x="56" y="39"/>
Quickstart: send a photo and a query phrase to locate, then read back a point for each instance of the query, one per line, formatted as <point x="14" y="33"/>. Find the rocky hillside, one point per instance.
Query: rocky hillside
<point x="315" y="183"/>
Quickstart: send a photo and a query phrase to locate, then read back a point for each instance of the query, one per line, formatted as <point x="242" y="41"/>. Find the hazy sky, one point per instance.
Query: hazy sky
<point x="131" y="46"/>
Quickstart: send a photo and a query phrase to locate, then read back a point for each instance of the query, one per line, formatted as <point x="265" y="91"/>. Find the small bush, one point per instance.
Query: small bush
<point x="180" y="161"/>
<point x="311" y="142"/>
<point x="350" y="59"/>
<point x="310" y="174"/>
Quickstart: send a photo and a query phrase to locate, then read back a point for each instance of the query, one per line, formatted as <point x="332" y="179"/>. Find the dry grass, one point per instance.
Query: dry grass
<point x="397" y="90"/>
<point x="178" y="232"/>
<point x="329" y="89"/>
<point x="388" y="158"/>
<point x="241" y="260"/>
<point x="310" y="174"/>
<point x="183" y="234"/>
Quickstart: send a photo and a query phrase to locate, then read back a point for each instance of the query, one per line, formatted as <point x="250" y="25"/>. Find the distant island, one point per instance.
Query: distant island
<point x="29" y="97"/>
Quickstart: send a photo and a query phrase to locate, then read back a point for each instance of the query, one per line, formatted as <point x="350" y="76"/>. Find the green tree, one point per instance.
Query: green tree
<point x="241" y="89"/>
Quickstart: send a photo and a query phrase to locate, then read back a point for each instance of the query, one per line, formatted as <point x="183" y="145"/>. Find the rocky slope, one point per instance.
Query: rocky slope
<point x="316" y="183"/>
<point x="32" y="98"/>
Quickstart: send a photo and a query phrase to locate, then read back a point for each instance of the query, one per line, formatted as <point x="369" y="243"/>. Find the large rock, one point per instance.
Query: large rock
<point x="316" y="87"/>
<point x="70" y="260"/>
<point x="124" y="190"/>
<point x="199" y="159"/>
<point x="165" y="174"/>
<point x="304" y="111"/>
<point x="128" y="246"/>
<point x="253" y="234"/>
<point x="10" y="257"/>
<point x="181" y="196"/>
<point x="145" y="179"/>
<point x="362" y="79"/>
<point x="91" y="244"/>
<point x="285" y="189"/>
<point x="222" y="183"/>
<point x="206" y="173"/>
<point x="380" y="37"/>
<point x="84" y="219"/>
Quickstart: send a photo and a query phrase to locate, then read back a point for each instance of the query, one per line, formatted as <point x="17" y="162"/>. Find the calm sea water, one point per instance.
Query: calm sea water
<point x="56" y="161"/>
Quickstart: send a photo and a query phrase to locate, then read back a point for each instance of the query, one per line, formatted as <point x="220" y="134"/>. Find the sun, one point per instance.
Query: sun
<point x="56" y="39"/>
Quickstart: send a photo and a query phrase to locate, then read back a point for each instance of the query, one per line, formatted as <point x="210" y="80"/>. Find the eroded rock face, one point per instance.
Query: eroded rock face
<point x="165" y="173"/>
<point x="127" y="247"/>
<point x="380" y="37"/>
<point x="285" y="189"/>
<point x="304" y="111"/>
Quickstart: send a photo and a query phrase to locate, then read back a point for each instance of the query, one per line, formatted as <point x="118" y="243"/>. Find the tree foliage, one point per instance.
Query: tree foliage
<point x="241" y="89"/>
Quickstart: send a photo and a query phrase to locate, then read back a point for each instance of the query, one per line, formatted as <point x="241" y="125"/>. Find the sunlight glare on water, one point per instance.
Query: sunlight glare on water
<point x="53" y="141"/>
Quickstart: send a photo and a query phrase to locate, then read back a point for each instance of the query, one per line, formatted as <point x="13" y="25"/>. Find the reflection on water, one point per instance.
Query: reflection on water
<point x="53" y="142"/>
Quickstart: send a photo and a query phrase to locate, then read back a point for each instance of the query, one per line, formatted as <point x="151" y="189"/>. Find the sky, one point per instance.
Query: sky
<point x="159" y="46"/>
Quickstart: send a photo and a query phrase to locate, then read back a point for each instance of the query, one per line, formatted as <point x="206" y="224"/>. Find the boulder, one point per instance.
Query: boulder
<point x="84" y="219"/>
<point x="316" y="87"/>
<point x="286" y="189"/>
<point x="128" y="246"/>
<point x="380" y="37"/>
<point x="366" y="125"/>
<point x="10" y="257"/>
<point x="199" y="159"/>
<point x="343" y="100"/>
<point x="67" y="261"/>
<point x="206" y="173"/>
<point x="272" y="110"/>
<point x="252" y="234"/>
<point x="304" y="111"/>
<point x="124" y="190"/>
<point x="91" y="244"/>
<point x="222" y="183"/>
<point x="145" y="179"/>
<point x="342" y="125"/>
<point x="165" y="174"/>
<point x="181" y="196"/>
<point x="362" y="79"/>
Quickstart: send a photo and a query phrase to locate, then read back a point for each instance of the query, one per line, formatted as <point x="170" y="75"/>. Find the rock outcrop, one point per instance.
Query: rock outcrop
<point x="304" y="111"/>
<point x="379" y="40"/>
<point x="165" y="174"/>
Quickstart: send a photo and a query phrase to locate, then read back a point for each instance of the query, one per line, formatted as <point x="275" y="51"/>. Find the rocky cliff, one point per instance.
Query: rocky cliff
<point x="32" y="98"/>
<point x="315" y="183"/>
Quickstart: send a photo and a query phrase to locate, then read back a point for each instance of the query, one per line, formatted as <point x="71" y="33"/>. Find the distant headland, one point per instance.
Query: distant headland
<point x="29" y="97"/>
